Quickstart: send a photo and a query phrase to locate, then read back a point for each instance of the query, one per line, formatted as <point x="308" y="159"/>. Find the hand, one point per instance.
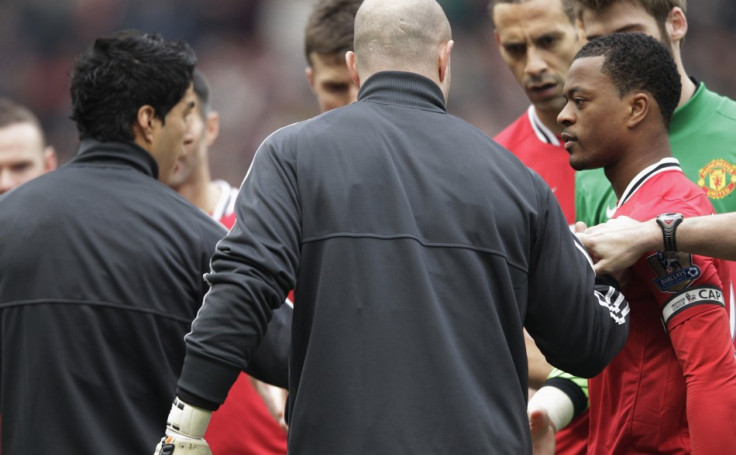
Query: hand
<point x="618" y="243"/>
<point x="182" y="445"/>
<point x="543" y="433"/>
<point x="185" y="428"/>
<point x="274" y="399"/>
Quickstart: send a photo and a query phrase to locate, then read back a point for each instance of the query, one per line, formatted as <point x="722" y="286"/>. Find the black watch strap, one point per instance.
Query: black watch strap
<point x="668" y="222"/>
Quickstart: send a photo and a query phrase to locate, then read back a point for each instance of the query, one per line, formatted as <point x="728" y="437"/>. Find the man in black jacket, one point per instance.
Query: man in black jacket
<point x="101" y="264"/>
<point x="420" y="250"/>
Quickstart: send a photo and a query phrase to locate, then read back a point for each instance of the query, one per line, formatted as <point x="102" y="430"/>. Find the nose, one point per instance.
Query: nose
<point x="565" y="117"/>
<point x="535" y="63"/>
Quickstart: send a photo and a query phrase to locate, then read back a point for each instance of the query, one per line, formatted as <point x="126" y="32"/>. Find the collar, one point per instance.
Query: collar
<point x="403" y="89"/>
<point x="664" y="165"/>
<point x="121" y="153"/>
<point x="543" y="133"/>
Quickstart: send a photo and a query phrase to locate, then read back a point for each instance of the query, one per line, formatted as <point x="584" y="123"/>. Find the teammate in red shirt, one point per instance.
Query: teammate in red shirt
<point x="672" y="389"/>
<point x="538" y="39"/>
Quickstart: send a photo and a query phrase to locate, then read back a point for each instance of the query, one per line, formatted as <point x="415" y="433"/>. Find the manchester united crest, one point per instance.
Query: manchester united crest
<point x="717" y="178"/>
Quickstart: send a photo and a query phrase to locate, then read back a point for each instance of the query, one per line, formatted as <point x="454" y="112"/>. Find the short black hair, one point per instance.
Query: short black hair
<point x="123" y="71"/>
<point x="567" y="6"/>
<point x="635" y="61"/>
<point x="202" y="90"/>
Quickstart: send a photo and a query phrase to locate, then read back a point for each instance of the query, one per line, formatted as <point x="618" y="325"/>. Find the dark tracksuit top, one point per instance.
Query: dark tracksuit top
<point x="419" y="249"/>
<point x="100" y="277"/>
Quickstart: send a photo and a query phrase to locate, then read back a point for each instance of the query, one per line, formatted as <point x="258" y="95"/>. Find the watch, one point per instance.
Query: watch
<point x="669" y="222"/>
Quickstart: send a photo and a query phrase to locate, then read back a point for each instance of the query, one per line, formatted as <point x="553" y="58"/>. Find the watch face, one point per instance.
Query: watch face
<point x="669" y="218"/>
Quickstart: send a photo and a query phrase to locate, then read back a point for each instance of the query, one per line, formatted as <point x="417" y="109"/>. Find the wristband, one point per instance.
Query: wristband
<point x="556" y="403"/>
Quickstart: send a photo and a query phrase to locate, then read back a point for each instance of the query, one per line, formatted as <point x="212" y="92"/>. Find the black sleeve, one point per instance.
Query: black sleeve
<point x="578" y="326"/>
<point x="253" y="268"/>
<point x="270" y="362"/>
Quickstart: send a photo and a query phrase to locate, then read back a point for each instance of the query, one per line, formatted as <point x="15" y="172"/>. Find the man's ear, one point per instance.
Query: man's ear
<point x="676" y="25"/>
<point x="212" y="128"/>
<point x="352" y="69"/>
<point x="143" y="126"/>
<point x="50" y="161"/>
<point x="443" y="60"/>
<point x="639" y="106"/>
<point x="309" y="72"/>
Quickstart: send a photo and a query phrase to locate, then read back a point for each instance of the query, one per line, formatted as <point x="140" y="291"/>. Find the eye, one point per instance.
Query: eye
<point x="578" y="102"/>
<point x="335" y="88"/>
<point x="515" y="50"/>
<point x="20" y="167"/>
<point x="547" y="42"/>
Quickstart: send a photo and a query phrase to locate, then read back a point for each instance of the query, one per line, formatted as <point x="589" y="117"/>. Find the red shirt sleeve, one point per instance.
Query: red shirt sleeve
<point x="688" y="291"/>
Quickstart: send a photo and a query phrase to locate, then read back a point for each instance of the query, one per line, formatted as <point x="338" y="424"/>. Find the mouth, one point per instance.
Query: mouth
<point x="542" y="90"/>
<point x="569" y="139"/>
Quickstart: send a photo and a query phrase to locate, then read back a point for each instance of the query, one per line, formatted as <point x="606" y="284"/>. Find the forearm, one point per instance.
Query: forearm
<point x="711" y="235"/>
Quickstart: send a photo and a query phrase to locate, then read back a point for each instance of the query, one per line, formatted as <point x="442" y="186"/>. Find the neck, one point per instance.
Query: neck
<point x="623" y="172"/>
<point x="200" y="190"/>
<point x="549" y="119"/>
<point x="688" y="89"/>
<point x="688" y="86"/>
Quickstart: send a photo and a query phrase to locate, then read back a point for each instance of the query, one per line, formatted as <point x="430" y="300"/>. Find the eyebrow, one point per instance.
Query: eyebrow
<point x="567" y="94"/>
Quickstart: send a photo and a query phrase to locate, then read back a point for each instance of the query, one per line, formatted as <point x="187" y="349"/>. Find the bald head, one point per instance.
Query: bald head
<point x="400" y="35"/>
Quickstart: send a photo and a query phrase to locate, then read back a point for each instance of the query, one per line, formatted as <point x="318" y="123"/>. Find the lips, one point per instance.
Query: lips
<point x="542" y="90"/>
<point x="569" y="139"/>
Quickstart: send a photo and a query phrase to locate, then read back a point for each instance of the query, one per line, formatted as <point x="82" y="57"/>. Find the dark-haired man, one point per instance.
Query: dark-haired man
<point x="702" y="126"/>
<point x="24" y="153"/>
<point x="416" y="272"/>
<point x="701" y="130"/>
<point x="99" y="282"/>
<point x="672" y="389"/>
<point x="538" y="39"/>
<point x="327" y="36"/>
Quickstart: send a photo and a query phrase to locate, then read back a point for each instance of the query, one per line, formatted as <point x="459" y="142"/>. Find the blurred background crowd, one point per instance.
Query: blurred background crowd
<point x="252" y="52"/>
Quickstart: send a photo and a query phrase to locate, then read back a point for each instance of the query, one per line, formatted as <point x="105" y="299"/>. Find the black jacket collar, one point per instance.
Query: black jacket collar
<point x="403" y="88"/>
<point x="121" y="153"/>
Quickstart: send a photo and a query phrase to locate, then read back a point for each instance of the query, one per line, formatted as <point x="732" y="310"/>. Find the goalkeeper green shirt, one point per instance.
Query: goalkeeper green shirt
<point x="703" y="138"/>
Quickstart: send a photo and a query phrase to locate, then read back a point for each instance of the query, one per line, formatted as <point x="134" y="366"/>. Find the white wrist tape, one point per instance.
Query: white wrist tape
<point x="558" y="405"/>
<point x="187" y="420"/>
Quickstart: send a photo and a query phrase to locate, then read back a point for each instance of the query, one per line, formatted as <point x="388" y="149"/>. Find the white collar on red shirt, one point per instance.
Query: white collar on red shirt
<point x="226" y="202"/>
<point x="664" y="165"/>
<point x="543" y="133"/>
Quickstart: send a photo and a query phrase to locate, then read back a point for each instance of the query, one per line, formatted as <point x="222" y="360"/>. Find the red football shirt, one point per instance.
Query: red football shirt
<point x="672" y="389"/>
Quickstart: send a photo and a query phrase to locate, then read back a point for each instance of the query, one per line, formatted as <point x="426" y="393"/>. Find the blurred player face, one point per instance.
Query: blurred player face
<point x="22" y="155"/>
<point x="199" y="137"/>
<point x="620" y="17"/>
<point x="592" y="102"/>
<point x="169" y="136"/>
<point x="330" y="81"/>
<point x="538" y="43"/>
